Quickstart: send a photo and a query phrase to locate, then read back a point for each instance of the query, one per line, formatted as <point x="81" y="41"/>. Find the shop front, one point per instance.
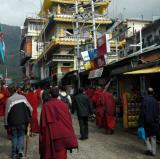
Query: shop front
<point x="131" y="100"/>
<point x="137" y="82"/>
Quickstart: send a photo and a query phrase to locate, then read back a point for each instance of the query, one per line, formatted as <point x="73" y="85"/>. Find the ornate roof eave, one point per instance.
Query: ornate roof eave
<point x="44" y="9"/>
<point x="47" y="4"/>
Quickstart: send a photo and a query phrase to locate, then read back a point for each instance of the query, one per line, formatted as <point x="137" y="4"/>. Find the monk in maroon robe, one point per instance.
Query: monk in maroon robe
<point x="89" y="92"/>
<point x="56" y="131"/>
<point x="33" y="100"/>
<point x="109" y="107"/>
<point x="99" y="107"/>
<point x="4" y="94"/>
<point x="38" y="92"/>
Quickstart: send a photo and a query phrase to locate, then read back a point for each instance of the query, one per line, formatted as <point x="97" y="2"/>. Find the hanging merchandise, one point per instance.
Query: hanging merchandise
<point x="100" y="61"/>
<point x="131" y="110"/>
<point x="87" y="65"/>
<point x="85" y="56"/>
<point x="101" y="45"/>
<point x="92" y="54"/>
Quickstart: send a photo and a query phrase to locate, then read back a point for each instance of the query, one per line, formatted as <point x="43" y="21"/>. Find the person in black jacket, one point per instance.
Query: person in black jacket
<point x="149" y="119"/>
<point x="83" y="106"/>
<point x="17" y="116"/>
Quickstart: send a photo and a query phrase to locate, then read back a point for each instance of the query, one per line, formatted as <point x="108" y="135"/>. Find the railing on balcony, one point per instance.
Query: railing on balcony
<point x="71" y="18"/>
<point x="85" y="1"/>
<point x="68" y="40"/>
<point x="60" y="57"/>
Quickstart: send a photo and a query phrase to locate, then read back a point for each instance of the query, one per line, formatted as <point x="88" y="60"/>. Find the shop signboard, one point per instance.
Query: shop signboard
<point x="103" y="45"/>
<point x="85" y="56"/>
<point x="95" y="73"/>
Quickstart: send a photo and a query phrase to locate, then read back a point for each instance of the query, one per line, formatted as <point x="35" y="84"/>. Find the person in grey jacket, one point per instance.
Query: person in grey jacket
<point x="83" y="106"/>
<point x="17" y="116"/>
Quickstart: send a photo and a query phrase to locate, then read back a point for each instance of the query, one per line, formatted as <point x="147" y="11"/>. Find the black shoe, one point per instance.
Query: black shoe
<point x="148" y="153"/>
<point x="81" y="138"/>
<point x="86" y="137"/>
<point x="153" y="155"/>
<point x="20" y="154"/>
<point x="14" y="157"/>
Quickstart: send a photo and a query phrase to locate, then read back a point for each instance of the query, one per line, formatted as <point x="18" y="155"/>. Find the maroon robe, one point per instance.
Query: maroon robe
<point x="56" y="131"/>
<point x="99" y="107"/>
<point x="89" y="92"/>
<point x="38" y="92"/>
<point x="109" y="107"/>
<point x="33" y="100"/>
<point x="5" y="94"/>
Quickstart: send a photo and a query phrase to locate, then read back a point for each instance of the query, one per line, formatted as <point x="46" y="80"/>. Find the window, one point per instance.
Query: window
<point x="66" y="64"/>
<point x="149" y="40"/>
<point x="69" y="32"/>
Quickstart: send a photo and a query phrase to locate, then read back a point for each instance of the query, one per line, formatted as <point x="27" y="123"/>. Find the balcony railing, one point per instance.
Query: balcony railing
<point x="65" y="41"/>
<point x="119" y="44"/>
<point x="71" y="18"/>
<point x="60" y="57"/>
<point x="102" y="2"/>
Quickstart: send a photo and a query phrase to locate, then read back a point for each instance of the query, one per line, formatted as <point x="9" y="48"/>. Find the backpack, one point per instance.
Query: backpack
<point x="65" y="99"/>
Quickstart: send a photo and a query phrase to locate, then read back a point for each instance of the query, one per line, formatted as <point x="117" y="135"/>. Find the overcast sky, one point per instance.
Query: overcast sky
<point x="13" y="12"/>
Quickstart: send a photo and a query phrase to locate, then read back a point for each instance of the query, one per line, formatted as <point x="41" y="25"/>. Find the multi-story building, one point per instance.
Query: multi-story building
<point x="123" y="31"/>
<point x="151" y="34"/>
<point x="59" y="35"/>
<point x="30" y="49"/>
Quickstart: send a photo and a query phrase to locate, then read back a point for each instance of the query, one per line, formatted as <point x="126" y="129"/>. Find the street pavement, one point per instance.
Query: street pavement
<point x="121" y="145"/>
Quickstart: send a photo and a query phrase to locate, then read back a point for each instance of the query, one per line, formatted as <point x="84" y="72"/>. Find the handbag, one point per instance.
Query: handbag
<point x="141" y="133"/>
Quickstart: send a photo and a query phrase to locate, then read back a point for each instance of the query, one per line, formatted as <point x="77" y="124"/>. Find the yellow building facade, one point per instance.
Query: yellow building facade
<point x="59" y="54"/>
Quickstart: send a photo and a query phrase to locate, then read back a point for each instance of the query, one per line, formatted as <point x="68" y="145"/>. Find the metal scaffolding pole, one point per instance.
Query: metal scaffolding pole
<point x="78" y="46"/>
<point x="141" y="43"/>
<point x="94" y="25"/>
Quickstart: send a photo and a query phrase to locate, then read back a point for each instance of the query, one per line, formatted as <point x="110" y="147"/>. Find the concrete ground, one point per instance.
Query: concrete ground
<point x="121" y="145"/>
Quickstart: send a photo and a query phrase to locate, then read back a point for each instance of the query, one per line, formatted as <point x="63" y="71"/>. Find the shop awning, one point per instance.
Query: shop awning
<point x="144" y="71"/>
<point x="95" y="73"/>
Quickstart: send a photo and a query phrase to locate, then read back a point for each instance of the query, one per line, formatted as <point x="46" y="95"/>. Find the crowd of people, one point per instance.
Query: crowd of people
<point x="19" y="107"/>
<point x="104" y="107"/>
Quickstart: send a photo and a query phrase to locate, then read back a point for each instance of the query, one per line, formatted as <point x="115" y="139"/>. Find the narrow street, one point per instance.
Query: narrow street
<point x="121" y="145"/>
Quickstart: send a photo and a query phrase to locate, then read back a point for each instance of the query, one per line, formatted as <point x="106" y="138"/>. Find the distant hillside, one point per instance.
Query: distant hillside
<point x="12" y="58"/>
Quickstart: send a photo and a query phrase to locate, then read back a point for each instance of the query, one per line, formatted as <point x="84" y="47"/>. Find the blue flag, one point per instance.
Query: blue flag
<point x="2" y="47"/>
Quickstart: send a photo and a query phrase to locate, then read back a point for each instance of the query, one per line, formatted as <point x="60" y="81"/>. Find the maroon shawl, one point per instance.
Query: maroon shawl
<point x="56" y="131"/>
